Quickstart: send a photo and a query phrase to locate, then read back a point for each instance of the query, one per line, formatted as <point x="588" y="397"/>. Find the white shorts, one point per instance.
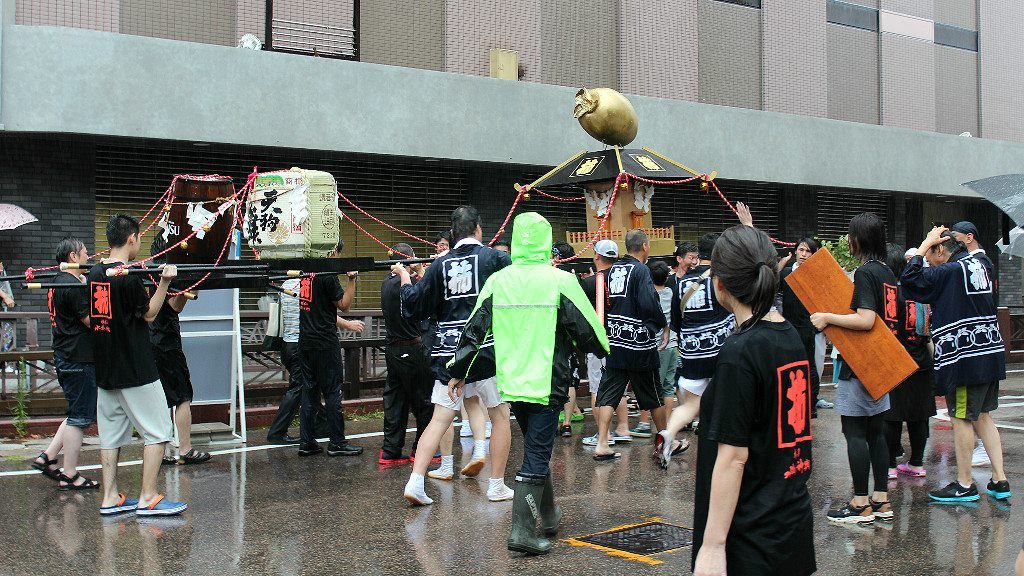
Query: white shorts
<point x="695" y="387"/>
<point x="595" y="368"/>
<point x="486" y="390"/>
<point x="144" y="407"/>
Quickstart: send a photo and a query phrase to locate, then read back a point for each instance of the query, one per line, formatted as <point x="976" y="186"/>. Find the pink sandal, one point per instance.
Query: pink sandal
<point x="908" y="471"/>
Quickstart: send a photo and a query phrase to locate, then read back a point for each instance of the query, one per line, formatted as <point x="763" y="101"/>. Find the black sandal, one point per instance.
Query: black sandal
<point x="194" y="456"/>
<point x="69" y="483"/>
<point x="44" y="467"/>
<point x="168" y="461"/>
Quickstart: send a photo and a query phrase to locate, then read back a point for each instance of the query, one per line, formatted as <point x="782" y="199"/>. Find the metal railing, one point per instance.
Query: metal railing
<point x="363" y="352"/>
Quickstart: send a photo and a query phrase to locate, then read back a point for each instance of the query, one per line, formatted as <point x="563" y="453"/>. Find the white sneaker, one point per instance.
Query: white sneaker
<point x="592" y="441"/>
<point x="980" y="457"/>
<point x="500" y="494"/>
<point x="466" y="430"/>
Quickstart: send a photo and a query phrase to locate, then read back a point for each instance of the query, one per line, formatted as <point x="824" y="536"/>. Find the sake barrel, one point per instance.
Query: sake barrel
<point x="293" y="214"/>
<point x="202" y="205"/>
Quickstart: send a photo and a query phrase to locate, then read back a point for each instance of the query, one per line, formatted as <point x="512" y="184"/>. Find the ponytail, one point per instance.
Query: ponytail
<point x="744" y="262"/>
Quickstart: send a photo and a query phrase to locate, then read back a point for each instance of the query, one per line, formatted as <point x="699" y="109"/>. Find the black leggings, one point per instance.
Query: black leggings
<point x="867" y="451"/>
<point x="918" y="432"/>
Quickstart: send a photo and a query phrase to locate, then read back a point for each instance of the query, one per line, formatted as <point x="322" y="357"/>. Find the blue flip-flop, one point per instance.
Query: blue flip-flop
<point x="123" y="505"/>
<point x="161" y="506"/>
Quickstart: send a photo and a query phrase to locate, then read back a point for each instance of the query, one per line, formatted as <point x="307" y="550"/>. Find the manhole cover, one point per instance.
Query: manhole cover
<point x="637" y="541"/>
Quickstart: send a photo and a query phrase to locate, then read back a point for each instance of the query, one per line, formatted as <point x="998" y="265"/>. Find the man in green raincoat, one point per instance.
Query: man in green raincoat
<point x="537" y="315"/>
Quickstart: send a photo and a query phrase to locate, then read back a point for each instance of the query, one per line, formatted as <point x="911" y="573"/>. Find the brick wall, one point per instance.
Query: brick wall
<point x="52" y="179"/>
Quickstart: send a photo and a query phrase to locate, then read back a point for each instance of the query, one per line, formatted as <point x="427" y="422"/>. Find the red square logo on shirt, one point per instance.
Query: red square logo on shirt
<point x="889" y="292"/>
<point x="911" y="324"/>
<point x="305" y="292"/>
<point x="794" y="386"/>
<point x="100" y="298"/>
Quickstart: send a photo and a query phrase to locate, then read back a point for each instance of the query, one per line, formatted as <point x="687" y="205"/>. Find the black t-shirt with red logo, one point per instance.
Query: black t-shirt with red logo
<point x="318" y="311"/>
<point x="67" y="307"/>
<point x="874" y="288"/>
<point x="120" y="333"/>
<point x="760" y="398"/>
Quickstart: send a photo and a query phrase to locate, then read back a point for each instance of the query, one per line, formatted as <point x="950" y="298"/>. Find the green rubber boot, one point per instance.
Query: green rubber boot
<point x="550" y="513"/>
<point x="529" y="492"/>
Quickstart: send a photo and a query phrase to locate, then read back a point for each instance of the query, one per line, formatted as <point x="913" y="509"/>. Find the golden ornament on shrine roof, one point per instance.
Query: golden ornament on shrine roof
<point x="606" y="115"/>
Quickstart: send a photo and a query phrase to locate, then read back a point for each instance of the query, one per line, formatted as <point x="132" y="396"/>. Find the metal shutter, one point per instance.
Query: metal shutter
<point x="837" y="207"/>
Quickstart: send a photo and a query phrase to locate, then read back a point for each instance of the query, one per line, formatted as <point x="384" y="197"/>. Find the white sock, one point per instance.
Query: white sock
<point x="479" y="449"/>
<point x="495" y="484"/>
<point x="447" y="462"/>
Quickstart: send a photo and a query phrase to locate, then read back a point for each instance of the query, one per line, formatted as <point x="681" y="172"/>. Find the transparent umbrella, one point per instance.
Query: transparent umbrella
<point x="1006" y="192"/>
<point x="12" y="216"/>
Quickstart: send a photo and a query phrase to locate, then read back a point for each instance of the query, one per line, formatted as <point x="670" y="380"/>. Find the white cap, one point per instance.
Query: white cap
<point x="607" y="248"/>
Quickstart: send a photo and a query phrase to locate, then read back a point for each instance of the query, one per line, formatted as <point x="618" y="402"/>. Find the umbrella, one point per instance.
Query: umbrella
<point x="12" y="216"/>
<point x="1016" y="244"/>
<point x="1006" y="192"/>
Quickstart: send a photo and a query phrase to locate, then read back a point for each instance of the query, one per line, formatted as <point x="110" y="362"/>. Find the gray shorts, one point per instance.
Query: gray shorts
<point x="143" y="407"/>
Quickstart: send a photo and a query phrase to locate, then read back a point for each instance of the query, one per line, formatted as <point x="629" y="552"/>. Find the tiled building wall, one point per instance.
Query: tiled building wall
<point x="919" y="8"/>
<point x="92" y="14"/>
<point x="472" y="28"/>
<point x="579" y="43"/>
<point x="1001" y="54"/>
<point x="729" y="54"/>
<point x="956" y="90"/>
<point x="794" y="57"/>
<point x="852" y="74"/>
<point x="658" y="48"/>
<point x="962" y="13"/>
<point x="206" y="21"/>
<point x="907" y="82"/>
<point x="419" y="25"/>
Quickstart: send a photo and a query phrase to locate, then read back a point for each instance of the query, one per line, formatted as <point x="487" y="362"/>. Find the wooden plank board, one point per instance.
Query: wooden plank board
<point x="875" y="355"/>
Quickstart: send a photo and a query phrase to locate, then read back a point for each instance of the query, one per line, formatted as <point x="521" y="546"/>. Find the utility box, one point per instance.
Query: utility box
<point x="504" y="64"/>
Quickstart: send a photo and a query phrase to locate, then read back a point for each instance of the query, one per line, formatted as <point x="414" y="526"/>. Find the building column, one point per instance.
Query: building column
<point x="6" y="19"/>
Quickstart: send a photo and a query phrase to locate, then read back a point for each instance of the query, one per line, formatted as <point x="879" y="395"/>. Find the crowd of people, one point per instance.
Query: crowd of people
<point x="715" y="339"/>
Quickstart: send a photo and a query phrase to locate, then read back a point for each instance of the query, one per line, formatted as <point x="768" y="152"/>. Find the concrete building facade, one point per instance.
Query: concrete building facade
<point x="810" y="111"/>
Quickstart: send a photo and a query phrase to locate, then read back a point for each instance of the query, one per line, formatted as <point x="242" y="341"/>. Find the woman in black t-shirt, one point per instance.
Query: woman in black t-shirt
<point x="752" y="512"/>
<point x="874" y="294"/>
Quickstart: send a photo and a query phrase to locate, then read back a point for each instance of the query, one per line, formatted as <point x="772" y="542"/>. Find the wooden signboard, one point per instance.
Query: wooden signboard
<point x="875" y="355"/>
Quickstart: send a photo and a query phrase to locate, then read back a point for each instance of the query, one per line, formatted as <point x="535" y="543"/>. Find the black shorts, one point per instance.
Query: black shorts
<point x="174" y="376"/>
<point x="970" y="402"/>
<point x="646" y="387"/>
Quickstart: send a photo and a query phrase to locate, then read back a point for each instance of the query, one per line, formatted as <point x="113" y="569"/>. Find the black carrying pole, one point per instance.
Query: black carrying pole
<point x="268" y="26"/>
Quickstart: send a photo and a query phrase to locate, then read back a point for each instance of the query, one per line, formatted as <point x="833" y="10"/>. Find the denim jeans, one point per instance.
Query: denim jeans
<point x="78" y="380"/>
<point x="537" y="422"/>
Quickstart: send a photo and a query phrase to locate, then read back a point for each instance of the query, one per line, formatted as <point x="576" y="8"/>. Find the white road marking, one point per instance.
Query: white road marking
<point x="217" y="452"/>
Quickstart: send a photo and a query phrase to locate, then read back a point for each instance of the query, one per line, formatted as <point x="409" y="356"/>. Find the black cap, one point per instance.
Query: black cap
<point x="965" y="227"/>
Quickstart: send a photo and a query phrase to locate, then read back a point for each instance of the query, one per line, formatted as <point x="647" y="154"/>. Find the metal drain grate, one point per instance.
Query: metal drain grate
<point x="642" y="539"/>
